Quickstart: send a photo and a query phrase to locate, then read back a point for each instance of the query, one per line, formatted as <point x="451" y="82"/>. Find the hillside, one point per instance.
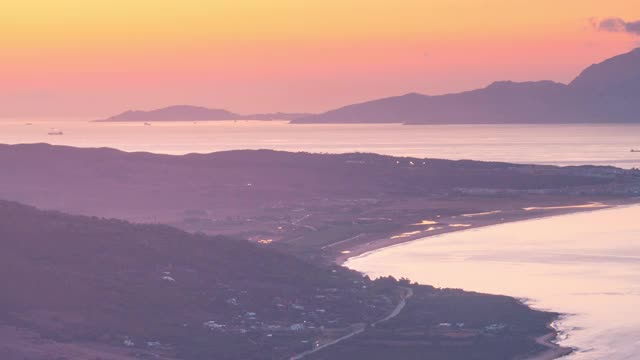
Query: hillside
<point x="301" y="202"/>
<point x="86" y="280"/>
<point x="79" y="287"/>
<point x="604" y="92"/>
<point x="110" y="182"/>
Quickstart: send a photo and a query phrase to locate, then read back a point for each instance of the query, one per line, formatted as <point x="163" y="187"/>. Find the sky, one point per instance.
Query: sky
<point x="97" y="58"/>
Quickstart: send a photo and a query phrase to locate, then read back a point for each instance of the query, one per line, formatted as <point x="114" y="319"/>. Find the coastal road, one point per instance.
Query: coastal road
<point x="408" y="292"/>
<point x="333" y="342"/>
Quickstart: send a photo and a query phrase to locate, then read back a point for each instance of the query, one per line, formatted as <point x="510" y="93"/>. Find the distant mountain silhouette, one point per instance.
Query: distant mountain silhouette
<point x="194" y="113"/>
<point x="604" y="92"/>
<point x="610" y="91"/>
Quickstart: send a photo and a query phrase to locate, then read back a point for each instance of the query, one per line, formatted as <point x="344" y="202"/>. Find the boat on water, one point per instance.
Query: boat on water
<point x="147" y="124"/>
<point x="635" y="150"/>
<point x="55" y="132"/>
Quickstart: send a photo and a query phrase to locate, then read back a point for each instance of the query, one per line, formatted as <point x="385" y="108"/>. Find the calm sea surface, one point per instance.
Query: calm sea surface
<point x="586" y="265"/>
<point x="541" y="144"/>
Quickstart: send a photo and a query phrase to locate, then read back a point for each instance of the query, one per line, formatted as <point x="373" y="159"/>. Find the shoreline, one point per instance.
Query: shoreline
<point x="554" y="350"/>
<point x="366" y="245"/>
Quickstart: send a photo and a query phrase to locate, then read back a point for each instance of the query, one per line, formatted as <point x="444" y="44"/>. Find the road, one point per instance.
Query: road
<point x="408" y="292"/>
<point x="403" y="302"/>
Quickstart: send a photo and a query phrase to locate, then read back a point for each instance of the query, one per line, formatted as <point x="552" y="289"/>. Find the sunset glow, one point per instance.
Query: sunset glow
<point x="82" y="58"/>
<point x="305" y="179"/>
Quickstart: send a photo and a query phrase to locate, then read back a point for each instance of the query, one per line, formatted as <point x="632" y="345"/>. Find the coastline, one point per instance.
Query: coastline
<point x="361" y="245"/>
<point x="554" y="350"/>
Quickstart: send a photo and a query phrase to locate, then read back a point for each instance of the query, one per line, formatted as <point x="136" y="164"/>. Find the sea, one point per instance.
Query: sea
<point x="586" y="266"/>
<point x="539" y="144"/>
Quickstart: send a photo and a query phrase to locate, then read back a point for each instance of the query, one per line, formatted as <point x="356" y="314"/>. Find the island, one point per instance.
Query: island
<point x="193" y="113"/>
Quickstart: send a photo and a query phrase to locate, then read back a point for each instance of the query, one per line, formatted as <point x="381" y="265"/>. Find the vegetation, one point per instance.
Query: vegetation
<point x="73" y="278"/>
<point x="162" y="292"/>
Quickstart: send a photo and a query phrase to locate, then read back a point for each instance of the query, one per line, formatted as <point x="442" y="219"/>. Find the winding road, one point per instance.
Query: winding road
<point x="408" y="292"/>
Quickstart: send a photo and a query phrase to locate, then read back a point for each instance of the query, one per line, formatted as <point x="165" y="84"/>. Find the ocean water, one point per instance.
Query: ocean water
<point x="585" y="265"/>
<point x="540" y="144"/>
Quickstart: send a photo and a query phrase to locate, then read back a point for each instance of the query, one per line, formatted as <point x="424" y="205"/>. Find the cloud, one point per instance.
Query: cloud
<point x="614" y="24"/>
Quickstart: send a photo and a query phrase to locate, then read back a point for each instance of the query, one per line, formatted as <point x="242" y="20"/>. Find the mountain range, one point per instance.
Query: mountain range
<point x="607" y="92"/>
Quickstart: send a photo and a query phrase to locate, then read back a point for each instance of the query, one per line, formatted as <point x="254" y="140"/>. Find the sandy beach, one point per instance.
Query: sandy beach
<point x="365" y="243"/>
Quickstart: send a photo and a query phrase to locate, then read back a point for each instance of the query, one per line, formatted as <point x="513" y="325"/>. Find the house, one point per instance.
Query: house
<point x="297" y="327"/>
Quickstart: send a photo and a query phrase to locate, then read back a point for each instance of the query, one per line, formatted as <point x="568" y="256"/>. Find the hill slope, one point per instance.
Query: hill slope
<point x="112" y="183"/>
<point x="304" y="203"/>
<point x="87" y="280"/>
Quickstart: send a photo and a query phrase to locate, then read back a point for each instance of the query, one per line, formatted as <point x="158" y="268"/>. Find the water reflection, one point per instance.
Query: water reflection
<point x="587" y="265"/>
<point x="543" y="144"/>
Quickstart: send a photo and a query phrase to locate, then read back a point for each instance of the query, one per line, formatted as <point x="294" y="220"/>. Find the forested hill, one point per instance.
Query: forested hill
<point x="84" y="279"/>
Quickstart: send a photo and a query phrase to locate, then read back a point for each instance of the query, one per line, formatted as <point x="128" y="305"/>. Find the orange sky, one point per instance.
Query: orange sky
<point x="72" y="57"/>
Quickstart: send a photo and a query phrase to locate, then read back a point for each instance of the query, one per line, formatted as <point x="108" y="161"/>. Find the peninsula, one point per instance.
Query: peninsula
<point x="255" y="267"/>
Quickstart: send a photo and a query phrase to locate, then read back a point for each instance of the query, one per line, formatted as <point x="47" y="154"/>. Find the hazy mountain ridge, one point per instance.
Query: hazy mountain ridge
<point x="604" y="92"/>
<point x="194" y="113"/>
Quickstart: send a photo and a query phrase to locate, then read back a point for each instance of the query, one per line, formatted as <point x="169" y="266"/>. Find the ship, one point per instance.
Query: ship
<point x="55" y="132"/>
